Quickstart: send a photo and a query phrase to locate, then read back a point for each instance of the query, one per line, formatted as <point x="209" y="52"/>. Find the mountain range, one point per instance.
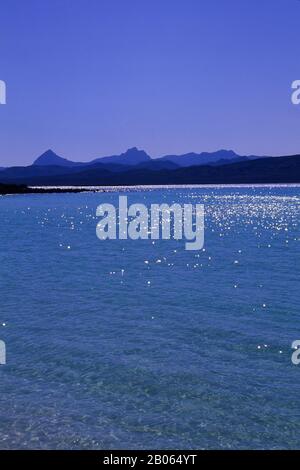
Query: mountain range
<point x="134" y="156"/>
<point x="135" y="167"/>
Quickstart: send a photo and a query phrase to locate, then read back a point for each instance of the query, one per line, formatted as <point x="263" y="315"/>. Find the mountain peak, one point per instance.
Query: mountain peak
<point x="132" y="156"/>
<point x="50" y="158"/>
<point x="135" y="154"/>
<point x="226" y="152"/>
<point x="203" y="158"/>
<point x="48" y="154"/>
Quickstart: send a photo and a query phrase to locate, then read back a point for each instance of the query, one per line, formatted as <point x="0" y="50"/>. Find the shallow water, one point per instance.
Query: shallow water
<point x="107" y="351"/>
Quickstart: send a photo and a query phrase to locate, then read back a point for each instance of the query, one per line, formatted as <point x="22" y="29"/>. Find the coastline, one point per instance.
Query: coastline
<point x="171" y="186"/>
<point x="11" y="189"/>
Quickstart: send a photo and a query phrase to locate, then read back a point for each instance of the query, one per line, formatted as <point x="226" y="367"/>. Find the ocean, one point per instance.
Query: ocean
<point x="123" y="344"/>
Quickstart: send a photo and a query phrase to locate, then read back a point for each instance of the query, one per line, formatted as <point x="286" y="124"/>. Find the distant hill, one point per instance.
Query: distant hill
<point x="49" y="158"/>
<point x="204" y="158"/>
<point x="261" y="170"/>
<point x="136" y="167"/>
<point x="132" y="156"/>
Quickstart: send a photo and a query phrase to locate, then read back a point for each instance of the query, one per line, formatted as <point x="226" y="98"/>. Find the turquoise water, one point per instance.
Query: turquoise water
<point x="193" y="351"/>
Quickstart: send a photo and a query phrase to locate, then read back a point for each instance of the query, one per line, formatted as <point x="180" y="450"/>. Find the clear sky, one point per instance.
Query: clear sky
<point x="90" y="78"/>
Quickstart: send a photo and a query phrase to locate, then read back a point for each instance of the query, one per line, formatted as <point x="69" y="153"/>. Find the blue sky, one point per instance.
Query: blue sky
<point x="92" y="78"/>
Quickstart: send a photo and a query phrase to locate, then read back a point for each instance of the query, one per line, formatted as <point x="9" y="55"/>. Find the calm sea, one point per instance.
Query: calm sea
<point x="134" y="344"/>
